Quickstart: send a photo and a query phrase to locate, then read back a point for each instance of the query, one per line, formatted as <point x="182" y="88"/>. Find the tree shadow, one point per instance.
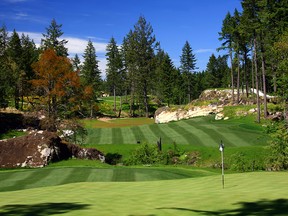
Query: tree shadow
<point x="41" y="209"/>
<point x="259" y="208"/>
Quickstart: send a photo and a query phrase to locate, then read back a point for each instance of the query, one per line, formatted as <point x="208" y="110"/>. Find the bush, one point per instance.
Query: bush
<point x="146" y="154"/>
<point x="278" y="158"/>
<point x="113" y="158"/>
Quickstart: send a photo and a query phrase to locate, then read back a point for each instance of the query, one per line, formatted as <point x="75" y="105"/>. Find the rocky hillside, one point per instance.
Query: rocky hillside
<point x="217" y="100"/>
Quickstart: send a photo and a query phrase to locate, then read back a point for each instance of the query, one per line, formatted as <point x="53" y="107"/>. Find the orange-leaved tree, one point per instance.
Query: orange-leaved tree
<point x="56" y="83"/>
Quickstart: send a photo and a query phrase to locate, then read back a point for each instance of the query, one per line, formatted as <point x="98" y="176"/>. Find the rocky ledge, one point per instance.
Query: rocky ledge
<point x="39" y="148"/>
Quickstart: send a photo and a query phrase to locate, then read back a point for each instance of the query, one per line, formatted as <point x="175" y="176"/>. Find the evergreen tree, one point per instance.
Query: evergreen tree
<point x="14" y="52"/>
<point x="52" y="40"/>
<point x="29" y="56"/>
<point x="5" y="84"/>
<point x="91" y="75"/>
<point x="76" y="63"/>
<point x="226" y="35"/>
<point x="139" y="57"/>
<point x="114" y="71"/>
<point x="187" y="67"/>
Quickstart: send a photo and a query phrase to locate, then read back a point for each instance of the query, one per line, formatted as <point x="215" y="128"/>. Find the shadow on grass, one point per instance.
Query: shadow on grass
<point x="41" y="209"/>
<point x="259" y="208"/>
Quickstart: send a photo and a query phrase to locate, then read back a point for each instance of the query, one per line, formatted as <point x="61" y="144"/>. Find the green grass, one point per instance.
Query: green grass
<point x="260" y="193"/>
<point x="204" y="131"/>
<point x="58" y="174"/>
<point x="11" y="134"/>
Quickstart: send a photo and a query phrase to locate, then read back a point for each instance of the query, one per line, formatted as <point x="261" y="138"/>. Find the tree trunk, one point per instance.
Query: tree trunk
<point x="238" y="77"/>
<point x="120" y="107"/>
<point x="257" y="80"/>
<point x="114" y="95"/>
<point x="264" y="82"/>
<point x="232" y="75"/>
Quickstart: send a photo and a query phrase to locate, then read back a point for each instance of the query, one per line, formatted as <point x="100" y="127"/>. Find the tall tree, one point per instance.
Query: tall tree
<point x="114" y="71"/>
<point x="5" y="85"/>
<point x="76" y="63"/>
<point x="55" y="81"/>
<point x="187" y="67"/>
<point x="52" y="39"/>
<point x="139" y="46"/>
<point x="14" y="52"/>
<point x="29" y="56"/>
<point x="252" y="26"/>
<point x="91" y="75"/>
<point x="226" y="35"/>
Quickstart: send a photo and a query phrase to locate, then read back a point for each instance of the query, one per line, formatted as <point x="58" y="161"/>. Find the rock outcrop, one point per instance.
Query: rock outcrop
<point x="39" y="148"/>
<point x="165" y="114"/>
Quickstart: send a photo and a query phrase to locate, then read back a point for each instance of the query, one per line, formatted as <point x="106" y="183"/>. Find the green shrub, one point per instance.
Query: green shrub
<point x="145" y="154"/>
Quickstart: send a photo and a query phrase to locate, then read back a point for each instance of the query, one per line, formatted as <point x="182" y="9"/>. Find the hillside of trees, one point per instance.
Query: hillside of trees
<point x="45" y="78"/>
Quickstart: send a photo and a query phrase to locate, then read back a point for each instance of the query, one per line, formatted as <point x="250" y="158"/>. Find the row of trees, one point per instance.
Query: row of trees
<point x="255" y="39"/>
<point x="45" y="77"/>
<point x="138" y="68"/>
<point x="252" y="40"/>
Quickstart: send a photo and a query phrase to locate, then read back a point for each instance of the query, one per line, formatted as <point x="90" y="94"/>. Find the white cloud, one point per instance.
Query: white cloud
<point x="204" y="51"/>
<point x="76" y="46"/>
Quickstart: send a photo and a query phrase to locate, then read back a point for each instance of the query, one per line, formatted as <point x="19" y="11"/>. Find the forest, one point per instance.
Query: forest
<point x="255" y="42"/>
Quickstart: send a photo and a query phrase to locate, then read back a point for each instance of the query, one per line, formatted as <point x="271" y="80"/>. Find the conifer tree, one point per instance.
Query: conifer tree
<point x="52" y="39"/>
<point x="187" y="67"/>
<point x="114" y="71"/>
<point x="91" y="75"/>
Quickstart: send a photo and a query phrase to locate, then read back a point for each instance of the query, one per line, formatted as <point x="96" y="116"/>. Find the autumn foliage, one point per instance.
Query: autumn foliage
<point x="56" y="82"/>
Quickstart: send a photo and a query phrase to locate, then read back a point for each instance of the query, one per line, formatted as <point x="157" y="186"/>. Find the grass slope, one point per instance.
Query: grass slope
<point x="258" y="193"/>
<point x="33" y="178"/>
<point x="197" y="132"/>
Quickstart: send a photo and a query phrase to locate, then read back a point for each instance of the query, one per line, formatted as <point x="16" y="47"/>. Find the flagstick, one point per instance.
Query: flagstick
<point x="222" y="155"/>
<point x="221" y="148"/>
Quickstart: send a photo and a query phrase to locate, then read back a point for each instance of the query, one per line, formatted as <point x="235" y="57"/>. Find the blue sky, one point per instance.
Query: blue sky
<point x="173" y="21"/>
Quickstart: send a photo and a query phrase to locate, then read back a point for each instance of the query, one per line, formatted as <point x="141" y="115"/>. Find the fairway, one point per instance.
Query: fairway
<point x="204" y="131"/>
<point x="25" y="179"/>
<point x="260" y="193"/>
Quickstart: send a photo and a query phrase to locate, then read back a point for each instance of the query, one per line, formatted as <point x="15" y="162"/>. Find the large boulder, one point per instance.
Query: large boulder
<point x="165" y="114"/>
<point x="39" y="148"/>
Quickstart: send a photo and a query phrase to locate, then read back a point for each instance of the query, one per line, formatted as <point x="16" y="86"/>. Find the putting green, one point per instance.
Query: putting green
<point x="258" y="193"/>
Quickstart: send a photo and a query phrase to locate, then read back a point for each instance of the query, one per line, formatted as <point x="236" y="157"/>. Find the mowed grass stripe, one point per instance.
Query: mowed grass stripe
<point x="128" y="136"/>
<point x="209" y="137"/>
<point x="93" y="136"/>
<point x="123" y="175"/>
<point x="117" y="137"/>
<point x="156" y="130"/>
<point x="77" y="175"/>
<point x="100" y="175"/>
<point x="150" y="137"/>
<point x="138" y="134"/>
<point x="231" y="139"/>
<point x="217" y="132"/>
<point x="106" y="136"/>
<point x="28" y="181"/>
<point x="174" y="135"/>
<point x="187" y="135"/>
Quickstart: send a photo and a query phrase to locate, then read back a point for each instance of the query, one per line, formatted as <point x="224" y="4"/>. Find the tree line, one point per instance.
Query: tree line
<point x="140" y="69"/>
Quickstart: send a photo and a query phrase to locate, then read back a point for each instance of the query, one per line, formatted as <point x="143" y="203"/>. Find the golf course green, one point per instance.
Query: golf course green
<point x="258" y="193"/>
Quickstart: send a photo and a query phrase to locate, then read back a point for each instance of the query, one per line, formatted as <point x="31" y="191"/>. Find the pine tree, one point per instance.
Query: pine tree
<point x="114" y="71"/>
<point x="139" y="58"/>
<point x="52" y="39"/>
<point x="14" y="52"/>
<point x="91" y="75"/>
<point x="187" y="67"/>
<point x="76" y="63"/>
<point x="5" y="85"/>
